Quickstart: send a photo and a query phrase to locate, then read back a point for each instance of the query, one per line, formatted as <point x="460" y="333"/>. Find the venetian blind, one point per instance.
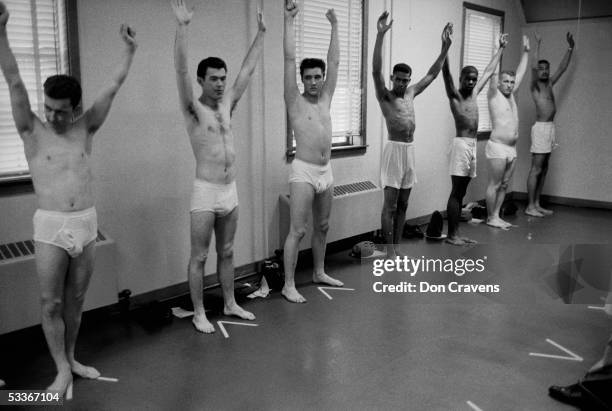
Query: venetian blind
<point x="312" y="35"/>
<point x="37" y="36"/>
<point x="481" y="33"/>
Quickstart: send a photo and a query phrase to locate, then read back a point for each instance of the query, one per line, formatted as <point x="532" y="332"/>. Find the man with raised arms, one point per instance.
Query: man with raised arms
<point x="501" y="147"/>
<point x="398" y="164"/>
<point x="464" y="107"/>
<point x="311" y="179"/>
<point x="543" y="134"/>
<point x="214" y="201"/>
<point x="58" y="152"/>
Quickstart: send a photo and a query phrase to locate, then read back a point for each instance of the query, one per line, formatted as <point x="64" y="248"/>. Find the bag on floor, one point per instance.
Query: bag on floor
<point x="273" y="271"/>
<point x="435" y="226"/>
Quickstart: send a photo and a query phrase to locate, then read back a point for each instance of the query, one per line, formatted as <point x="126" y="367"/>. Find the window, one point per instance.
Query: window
<point x="481" y="28"/>
<point x="40" y="38"/>
<point x="312" y="33"/>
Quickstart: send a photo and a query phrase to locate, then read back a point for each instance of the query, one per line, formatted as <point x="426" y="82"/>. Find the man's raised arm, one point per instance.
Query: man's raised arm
<point x="333" y="55"/>
<point x="534" y="63"/>
<point x="566" y="59"/>
<point x="183" y="17"/>
<point x="96" y="115"/>
<point x="291" y="89"/>
<point x="20" y="103"/>
<point x="522" y="67"/>
<point x="488" y="71"/>
<point x="434" y="70"/>
<point x="379" y="80"/>
<point x="250" y="61"/>
<point x="449" y="84"/>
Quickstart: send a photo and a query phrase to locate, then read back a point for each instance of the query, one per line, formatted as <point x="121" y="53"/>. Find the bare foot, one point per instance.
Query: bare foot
<point x="498" y="223"/>
<point x="62" y="384"/>
<point x="533" y="212"/>
<point x="326" y="279"/>
<point x="260" y="292"/>
<point x="238" y="311"/>
<point x="202" y="324"/>
<point x="292" y="295"/>
<point x="544" y="211"/>
<point x="455" y="240"/>
<point x="84" y="371"/>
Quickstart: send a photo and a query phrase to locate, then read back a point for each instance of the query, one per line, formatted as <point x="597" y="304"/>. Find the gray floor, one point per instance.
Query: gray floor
<point x="366" y="350"/>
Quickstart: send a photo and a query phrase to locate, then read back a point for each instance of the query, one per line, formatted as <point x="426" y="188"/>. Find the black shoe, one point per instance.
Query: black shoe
<point x="571" y="394"/>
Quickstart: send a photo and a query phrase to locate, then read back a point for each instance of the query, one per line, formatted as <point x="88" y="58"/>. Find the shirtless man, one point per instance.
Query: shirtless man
<point x="543" y="131"/>
<point x="464" y="107"/>
<point x="398" y="164"/>
<point x="58" y="152"/>
<point x="214" y="201"/>
<point x="501" y="147"/>
<point x="311" y="180"/>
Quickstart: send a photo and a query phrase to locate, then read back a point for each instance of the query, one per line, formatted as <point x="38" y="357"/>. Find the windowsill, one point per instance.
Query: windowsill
<point x="21" y="185"/>
<point x="336" y="152"/>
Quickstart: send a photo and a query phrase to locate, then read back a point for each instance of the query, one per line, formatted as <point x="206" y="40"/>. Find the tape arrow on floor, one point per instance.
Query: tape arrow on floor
<point x="571" y="356"/>
<point x="322" y="289"/>
<point x="222" y="328"/>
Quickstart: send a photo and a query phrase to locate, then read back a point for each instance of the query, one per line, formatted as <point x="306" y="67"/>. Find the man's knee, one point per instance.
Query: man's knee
<point x="402" y="206"/>
<point x="198" y="255"/>
<point x="51" y="306"/>
<point x="322" y="226"/>
<point x="298" y="232"/>
<point x="225" y="251"/>
<point x="389" y="207"/>
<point x="504" y="185"/>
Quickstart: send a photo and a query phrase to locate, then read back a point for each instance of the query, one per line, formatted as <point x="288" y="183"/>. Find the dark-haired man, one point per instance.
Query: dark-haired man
<point x="311" y="180"/>
<point x="65" y="225"/>
<point x="214" y="201"/>
<point x="464" y="107"/>
<point x="501" y="147"/>
<point x="398" y="164"/>
<point x="543" y="135"/>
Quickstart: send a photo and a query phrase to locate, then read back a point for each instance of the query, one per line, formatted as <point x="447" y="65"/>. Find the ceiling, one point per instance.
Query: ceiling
<point x="551" y="10"/>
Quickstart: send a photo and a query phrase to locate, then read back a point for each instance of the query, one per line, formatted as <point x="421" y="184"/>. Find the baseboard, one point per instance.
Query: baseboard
<point x="566" y="201"/>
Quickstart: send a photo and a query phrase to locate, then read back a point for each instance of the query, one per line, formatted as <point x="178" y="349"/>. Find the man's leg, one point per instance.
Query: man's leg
<point x="497" y="169"/>
<point x="400" y="215"/>
<point x="79" y="273"/>
<point x="453" y="210"/>
<point x="225" y="230"/>
<point x="202" y="224"/>
<point x="540" y="186"/>
<point x="301" y="198"/>
<point x="52" y="266"/>
<point x="503" y="189"/>
<point x="388" y="215"/>
<point x="533" y="180"/>
<point x="321" y="209"/>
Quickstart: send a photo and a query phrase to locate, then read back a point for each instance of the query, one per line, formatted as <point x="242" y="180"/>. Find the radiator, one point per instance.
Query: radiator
<point x="355" y="210"/>
<point x="20" y="292"/>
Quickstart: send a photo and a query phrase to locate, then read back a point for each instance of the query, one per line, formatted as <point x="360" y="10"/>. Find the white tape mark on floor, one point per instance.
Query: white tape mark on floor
<point x="322" y="289"/>
<point x="572" y="356"/>
<point x="224" y="332"/>
<point x="108" y="379"/>
<point x="474" y="406"/>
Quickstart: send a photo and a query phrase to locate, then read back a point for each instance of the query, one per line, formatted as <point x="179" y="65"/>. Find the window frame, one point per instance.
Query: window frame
<point x="480" y="135"/>
<point x="341" y="149"/>
<point x="22" y="183"/>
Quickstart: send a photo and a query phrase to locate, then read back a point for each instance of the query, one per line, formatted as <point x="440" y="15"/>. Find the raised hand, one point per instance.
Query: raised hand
<point x="526" y="46"/>
<point x="382" y="25"/>
<point x="4" y="15"/>
<point x="128" y="35"/>
<point x="181" y="12"/>
<point x="446" y="35"/>
<point x="331" y="16"/>
<point x="261" y="25"/>
<point x="570" y="40"/>
<point x="291" y="8"/>
<point x="503" y="40"/>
